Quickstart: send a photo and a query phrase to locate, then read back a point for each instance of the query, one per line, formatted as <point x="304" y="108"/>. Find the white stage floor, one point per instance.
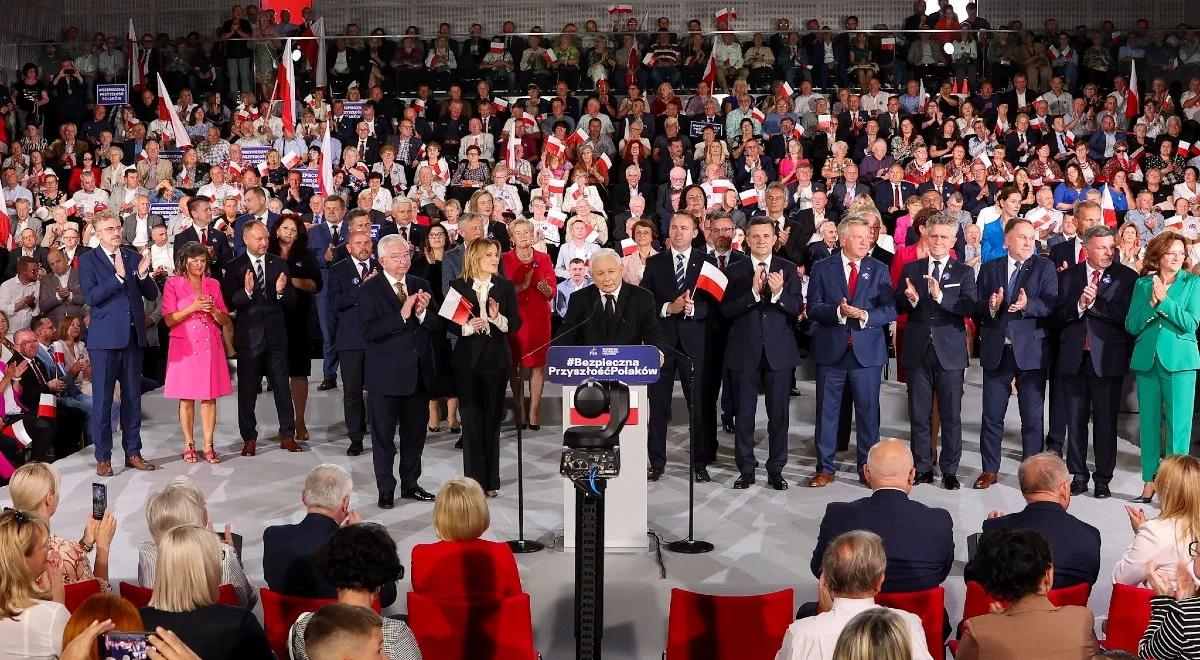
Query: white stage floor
<point x="763" y="538"/>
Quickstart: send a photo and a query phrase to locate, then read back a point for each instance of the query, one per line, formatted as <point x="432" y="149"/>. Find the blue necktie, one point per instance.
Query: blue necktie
<point x="679" y="271"/>
<point x="1011" y="292"/>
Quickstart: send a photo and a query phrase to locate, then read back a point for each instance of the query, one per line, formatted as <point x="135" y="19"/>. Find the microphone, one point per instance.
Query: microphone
<point x="563" y="333"/>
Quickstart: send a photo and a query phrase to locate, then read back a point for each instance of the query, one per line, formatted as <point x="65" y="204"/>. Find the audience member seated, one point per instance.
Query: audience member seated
<point x="358" y="561"/>
<point x="35" y="488"/>
<point x="1174" y="616"/>
<point x="1074" y="544"/>
<point x="852" y="573"/>
<point x="462" y="565"/>
<point x="918" y="540"/>
<point x="163" y="644"/>
<point x="1015" y="567"/>
<point x="182" y="503"/>
<point x="346" y="632"/>
<point x="879" y="633"/>
<point x="289" y="551"/>
<point x="1162" y="543"/>
<point x="121" y="614"/>
<point x="32" y="619"/>
<point x="185" y="600"/>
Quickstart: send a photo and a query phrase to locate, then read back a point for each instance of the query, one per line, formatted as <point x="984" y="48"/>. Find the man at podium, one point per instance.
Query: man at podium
<point x="613" y="312"/>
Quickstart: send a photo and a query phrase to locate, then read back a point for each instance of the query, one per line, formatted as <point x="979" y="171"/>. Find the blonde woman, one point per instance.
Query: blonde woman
<point x="35" y="488"/>
<point x="182" y="503"/>
<point x="460" y="517"/>
<point x="185" y="600"/>
<point x="1161" y="544"/>
<point x="876" y="634"/>
<point x="32" y="619"/>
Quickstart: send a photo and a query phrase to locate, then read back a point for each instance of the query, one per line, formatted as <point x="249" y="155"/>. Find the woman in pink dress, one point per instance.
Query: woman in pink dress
<point x="533" y="275"/>
<point x="193" y="309"/>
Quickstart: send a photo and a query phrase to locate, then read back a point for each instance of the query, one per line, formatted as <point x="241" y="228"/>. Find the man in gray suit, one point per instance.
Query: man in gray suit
<point x="59" y="293"/>
<point x="470" y="228"/>
<point x="123" y="198"/>
<point x="136" y="225"/>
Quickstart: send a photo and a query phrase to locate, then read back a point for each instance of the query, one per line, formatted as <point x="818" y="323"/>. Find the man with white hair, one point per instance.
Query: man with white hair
<point x="612" y="312"/>
<point x="289" y="551"/>
<point x="401" y="221"/>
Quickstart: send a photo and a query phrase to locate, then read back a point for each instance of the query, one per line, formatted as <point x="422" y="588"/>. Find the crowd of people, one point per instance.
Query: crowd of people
<point x="1027" y="198"/>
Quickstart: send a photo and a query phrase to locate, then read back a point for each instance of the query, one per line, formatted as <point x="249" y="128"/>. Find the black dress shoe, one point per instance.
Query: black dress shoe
<point x="743" y="482"/>
<point x="1078" y="487"/>
<point x="728" y="427"/>
<point x="950" y="482"/>
<point x="416" y="493"/>
<point x="458" y="444"/>
<point x="702" y="475"/>
<point x="795" y="391"/>
<point x="775" y="480"/>
<point x="924" y="478"/>
<point x="653" y="473"/>
<point x="535" y="427"/>
<point x="386" y="500"/>
<point x="355" y="448"/>
<point x="326" y="385"/>
<point x="1102" y="492"/>
<point x="1142" y="499"/>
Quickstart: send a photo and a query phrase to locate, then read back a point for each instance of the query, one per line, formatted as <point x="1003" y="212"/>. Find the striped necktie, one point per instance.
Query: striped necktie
<point x="679" y="271"/>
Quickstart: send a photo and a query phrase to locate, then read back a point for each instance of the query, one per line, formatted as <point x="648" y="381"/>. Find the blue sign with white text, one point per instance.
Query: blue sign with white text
<point x="632" y="365"/>
<point x="112" y="94"/>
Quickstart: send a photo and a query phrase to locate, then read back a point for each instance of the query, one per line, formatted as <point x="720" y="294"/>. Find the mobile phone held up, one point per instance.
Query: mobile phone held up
<point x="123" y="645"/>
<point x="99" y="500"/>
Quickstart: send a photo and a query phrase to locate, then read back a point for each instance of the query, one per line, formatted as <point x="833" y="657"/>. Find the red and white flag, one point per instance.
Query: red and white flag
<point x="757" y="115"/>
<point x="797" y="132"/>
<point x="649" y="59"/>
<point x="16" y="431"/>
<point x="1036" y="123"/>
<point x="287" y="86"/>
<point x="549" y="56"/>
<point x="613" y="10"/>
<point x="720" y="186"/>
<point x="556" y="217"/>
<point x="1069" y="138"/>
<point x="292" y="160"/>
<point x="604" y="163"/>
<point x="785" y="88"/>
<point x="749" y="197"/>
<point x="1137" y="154"/>
<point x="313" y="49"/>
<point x="578" y="137"/>
<point x="500" y="104"/>
<point x="824" y="122"/>
<point x="235" y="167"/>
<point x="1108" y="208"/>
<point x="510" y="152"/>
<point x="712" y="280"/>
<point x="6" y="233"/>
<point x="47" y="406"/>
<point x="497" y="47"/>
<point x="137" y="75"/>
<point x="725" y="14"/>
<point x="922" y="97"/>
<point x="593" y="235"/>
<point x="455" y="308"/>
<point x="555" y="145"/>
<point x="628" y="246"/>
<point x="710" y="70"/>
<point x="888" y="43"/>
<point x="1133" y="104"/>
<point x="167" y="113"/>
<point x="1183" y="148"/>
<point x="557" y="186"/>
<point x="263" y="168"/>
<point x="631" y="65"/>
<point x="325" y="176"/>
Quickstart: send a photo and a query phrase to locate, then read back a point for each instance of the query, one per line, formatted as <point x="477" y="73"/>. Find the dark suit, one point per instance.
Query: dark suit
<point x="945" y="190"/>
<point x="971" y="201"/>
<point x="765" y="352"/>
<point x="414" y="234"/>
<point x="1066" y="252"/>
<point x="260" y="339"/>
<point x="42" y="431"/>
<point x="368" y="155"/>
<point x="345" y="280"/>
<point x="1012" y="144"/>
<point x="239" y="248"/>
<point x="222" y="252"/>
<point x="289" y="560"/>
<point x="715" y="375"/>
<point x="635" y="320"/>
<point x="934" y="352"/>
<point x="481" y="363"/>
<point x="819" y="250"/>
<point x="885" y="198"/>
<point x="837" y="195"/>
<point x="849" y="353"/>
<point x="1093" y="359"/>
<point x="803" y="224"/>
<point x="918" y="540"/>
<point x="399" y="376"/>
<point x="742" y="173"/>
<point x="297" y="205"/>
<point x="129" y="226"/>
<point x="116" y="339"/>
<point x="1014" y="345"/>
<point x="1074" y="544"/>
<point x="681" y="334"/>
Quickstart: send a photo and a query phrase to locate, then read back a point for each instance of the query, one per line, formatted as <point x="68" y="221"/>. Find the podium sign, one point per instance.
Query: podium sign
<point x="625" y="498"/>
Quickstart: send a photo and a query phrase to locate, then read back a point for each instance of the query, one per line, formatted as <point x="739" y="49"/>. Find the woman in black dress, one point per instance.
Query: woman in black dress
<point x="289" y="241"/>
<point x="428" y="264"/>
<point x="482" y="359"/>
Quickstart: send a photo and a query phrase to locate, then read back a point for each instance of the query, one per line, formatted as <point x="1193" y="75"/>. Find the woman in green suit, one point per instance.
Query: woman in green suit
<point x="1163" y="318"/>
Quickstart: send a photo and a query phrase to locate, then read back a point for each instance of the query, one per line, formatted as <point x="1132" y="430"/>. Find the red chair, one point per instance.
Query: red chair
<point x="979" y="601"/>
<point x="140" y="596"/>
<point x="474" y="570"/>
<point x="1128" y="617"/>
<point x="929" y="605"/>
<point x="706" y="627"/>
<point x="81" y="591"/>
<point x="472" y="629"/>
<point x="280" y="612"/>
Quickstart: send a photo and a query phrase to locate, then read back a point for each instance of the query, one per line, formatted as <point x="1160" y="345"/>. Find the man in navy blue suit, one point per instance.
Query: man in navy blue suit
<point x="1093" y="355"/>
<point x="115" y="282"/>
<point x="201" y="231"/>
<point x="328" y="233"/>
<point x="256" y="209"/>
<point x="763" y="299"/>
<point x="1017" y="295"/>
<point x="346" y="278"/>
<point x="937" y="293"/>
<point x="850" y="302"/>
<point x="670" y="277"/>
<point x="891" y="195"/>
<point x="397" y="325"/>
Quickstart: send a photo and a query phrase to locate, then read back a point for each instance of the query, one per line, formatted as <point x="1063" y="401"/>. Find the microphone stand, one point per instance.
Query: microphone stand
<point x="522" y="545"/>
<point x="689" y="545"/>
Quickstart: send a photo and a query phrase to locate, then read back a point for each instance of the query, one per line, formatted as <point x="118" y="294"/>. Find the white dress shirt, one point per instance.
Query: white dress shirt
<point x="689" y="310"/>
<point x="35" y="635"/>
<point x="392" y="281"/>
<point x="846" y="278"/>
<point x="758" y="264"/>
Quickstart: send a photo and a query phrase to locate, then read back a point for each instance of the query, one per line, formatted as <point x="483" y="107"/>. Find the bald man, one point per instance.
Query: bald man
<point x="919" y="540"/>
<point x="1074" y="544"/>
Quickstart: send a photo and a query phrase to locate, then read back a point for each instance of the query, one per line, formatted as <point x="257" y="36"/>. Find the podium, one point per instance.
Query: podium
<point x="625" y="523"/>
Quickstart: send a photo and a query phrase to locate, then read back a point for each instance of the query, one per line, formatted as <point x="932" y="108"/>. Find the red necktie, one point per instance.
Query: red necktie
<point x="1087" y="336"/>
<point x="896" y="204"/>
<point x="852" y="284"/>
<point x="204" y="236"/>
<point x="1082" y="253"/>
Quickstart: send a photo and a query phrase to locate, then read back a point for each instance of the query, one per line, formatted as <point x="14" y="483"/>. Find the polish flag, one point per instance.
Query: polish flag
<point x="824" y="122"/>
<point x="738" y="237"/>
<point x="47" y="406"/>
<point x="263" y="168"/>
<point x="1137" y="154"/>
<point x="785" y="88"/>
<point x="578" y="137"/>
<point x="419" y="104"/>
<point x="749" y="197"/>
<point x="549" y="56"/>
<point x="593" y="235"/>
<point x="1108" y="208"/>
<point x="16" y="431"/>
<point x="6" y="234"/>
<point x="710" y="70"/>
<point x="236" y="168"/>
<point x="325" y="176"/>
<point x="1132" y="100"/>
<point x="712" y="280"/>
<point x="631" y="65"/>
<point x="60" y="359"/>
<point x="725" y="14"/>
<point x="720" y="186"/>
<point x="137" y="77"/>
<point x="455" y="308"/>
<point x="1069" y="138"/>
<point x="556" y="217"/>
<point x="888" y="43"/>
<point x="554" y="145"/>
<point x="313" y="50"/>
<point x="219" y="224"/>
<point x="648" y="60"/>
<point x="604" y="164"/>
<point x="797" y="132"/>
<point x="922" y="97"/>
<point x="287" y="86"/>
<point x="1184" y="148"/>
<point x="167" y="113"/>
<point x="557" y="186"/>
<point x="500" y="104"/>
<point x="497" y="47"/>
<point x="1036" y="123"/>
<point x="613" y="10"/>
<point x="291" y="160"/>
<point x="758" y="115"/>
<point x="628" y="246"/>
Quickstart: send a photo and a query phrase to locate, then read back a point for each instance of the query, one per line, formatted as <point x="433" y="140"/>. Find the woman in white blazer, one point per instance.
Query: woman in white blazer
<point x="1162" y="543"/>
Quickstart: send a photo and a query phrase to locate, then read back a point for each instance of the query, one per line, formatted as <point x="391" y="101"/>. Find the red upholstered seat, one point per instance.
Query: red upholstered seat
<point x="81" y="591"/>
<point x="459" y="629"/>
<point x="280" y="612"/>
<point x="705" y="627"/>
<point x="1128" y="617"/>
<point x="478" y="570"/>
<point x="929" y="605"/>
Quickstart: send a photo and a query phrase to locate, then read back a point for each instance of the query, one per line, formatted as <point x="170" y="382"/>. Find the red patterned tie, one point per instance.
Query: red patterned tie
<point x="1082" y="253"/>
<point x="852" y="285"/>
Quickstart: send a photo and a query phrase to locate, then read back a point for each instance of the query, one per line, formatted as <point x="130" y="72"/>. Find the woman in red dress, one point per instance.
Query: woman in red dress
<point x="533" y="275"/>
